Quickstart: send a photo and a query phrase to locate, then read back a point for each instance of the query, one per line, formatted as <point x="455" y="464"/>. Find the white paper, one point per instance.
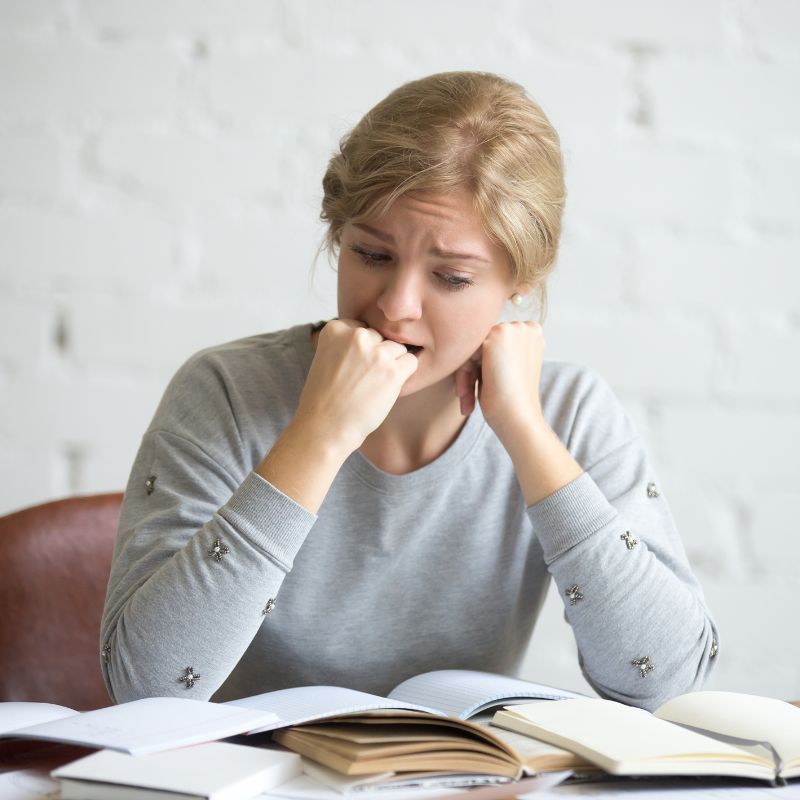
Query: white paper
<point x="464" y="693"/>
<point x="306" y="703"/>
<point x="150" y="725"/>
<point x="15" y="715"/>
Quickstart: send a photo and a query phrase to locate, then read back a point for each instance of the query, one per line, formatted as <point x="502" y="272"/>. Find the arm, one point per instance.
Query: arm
<point x="204" y="541"/>
<point x="609" y="541"/>
<point x="610" y="533"/>
<point x="303" y="463"/>
<point x="173" y="601"/>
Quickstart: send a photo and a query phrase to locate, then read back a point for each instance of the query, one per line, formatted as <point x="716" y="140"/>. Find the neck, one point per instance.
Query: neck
<point x="417" y="430"/>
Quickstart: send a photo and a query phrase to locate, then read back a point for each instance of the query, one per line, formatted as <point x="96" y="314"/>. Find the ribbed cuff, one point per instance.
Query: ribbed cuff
<point x="272" y="521"/>
<point x="570" y="515"/>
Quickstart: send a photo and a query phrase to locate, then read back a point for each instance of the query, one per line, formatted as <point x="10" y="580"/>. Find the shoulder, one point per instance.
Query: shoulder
<point x="232" y="377"/>
<point x="583" y="410"/>
<point x="262" y="350"/>
<point x="566" y="383"/>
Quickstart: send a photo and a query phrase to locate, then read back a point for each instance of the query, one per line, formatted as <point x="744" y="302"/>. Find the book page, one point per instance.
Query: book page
<point x="620" y="738"/>
<point x="15" y="715"/>
<point x="149" y="725"/>
<point x="306" y="703"/>
<point x="529" y="749"/>
<point x="532" y="752"/>
<point x="463" y="693"/>
<point x="746" y="716"/>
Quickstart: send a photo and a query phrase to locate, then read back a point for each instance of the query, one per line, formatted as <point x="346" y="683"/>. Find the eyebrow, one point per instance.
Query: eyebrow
<point x="437" y="251"/>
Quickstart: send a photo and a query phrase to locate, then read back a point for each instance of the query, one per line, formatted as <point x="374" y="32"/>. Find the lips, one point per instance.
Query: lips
<point x="412" y="348"/>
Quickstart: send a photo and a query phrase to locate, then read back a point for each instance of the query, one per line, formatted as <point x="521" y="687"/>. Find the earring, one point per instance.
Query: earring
<point x="517" y="299"/>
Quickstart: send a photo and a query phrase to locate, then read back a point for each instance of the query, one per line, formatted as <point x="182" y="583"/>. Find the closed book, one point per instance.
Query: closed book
<point x="212" y="771"/>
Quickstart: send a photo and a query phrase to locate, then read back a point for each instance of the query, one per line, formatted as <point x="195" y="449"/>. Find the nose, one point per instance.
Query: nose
<point x="401" y="296"/>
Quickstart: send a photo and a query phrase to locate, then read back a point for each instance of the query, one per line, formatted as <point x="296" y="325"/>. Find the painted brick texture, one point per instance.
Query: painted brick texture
<point x="160" y="169"/>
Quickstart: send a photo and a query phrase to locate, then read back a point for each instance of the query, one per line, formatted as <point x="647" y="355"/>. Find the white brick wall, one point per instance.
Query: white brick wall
<point x="159" y="192"/>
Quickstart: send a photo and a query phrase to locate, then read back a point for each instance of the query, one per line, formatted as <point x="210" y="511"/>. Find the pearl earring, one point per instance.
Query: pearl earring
<point x="517" y="299"/>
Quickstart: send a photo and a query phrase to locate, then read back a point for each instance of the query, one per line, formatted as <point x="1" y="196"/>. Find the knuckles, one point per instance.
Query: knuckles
<point x="362" y="339"/>
<point x="520" y="331"/>
<point x="364" y="342"/>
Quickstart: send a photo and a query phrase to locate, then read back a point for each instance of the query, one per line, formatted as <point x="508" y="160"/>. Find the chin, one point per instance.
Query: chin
<point x="408" y="388"/>
<point x="419" y="383"/>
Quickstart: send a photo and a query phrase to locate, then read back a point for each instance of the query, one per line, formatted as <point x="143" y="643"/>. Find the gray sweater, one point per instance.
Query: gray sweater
<point x="218" y="571"/>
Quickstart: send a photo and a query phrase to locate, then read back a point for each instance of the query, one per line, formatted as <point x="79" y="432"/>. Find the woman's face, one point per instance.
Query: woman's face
<point x="425" y="273"/>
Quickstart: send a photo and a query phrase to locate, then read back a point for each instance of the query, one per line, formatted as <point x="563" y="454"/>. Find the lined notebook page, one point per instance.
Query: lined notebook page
<point x="463" y="693"/>
<point x="16" y="714"/>
<point x="149" y="725"/>
<point x="306" y="703"/>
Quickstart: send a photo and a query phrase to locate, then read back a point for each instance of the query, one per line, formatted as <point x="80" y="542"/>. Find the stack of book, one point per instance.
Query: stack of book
<point x="721" y="734"/>
<point x="442" y="727"/>
<point x="160" y="747"/>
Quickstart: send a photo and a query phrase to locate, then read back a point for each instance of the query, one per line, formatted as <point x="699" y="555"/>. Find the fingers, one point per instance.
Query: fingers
<point x="342" y="322"/>
<point x="407" y="364"/>
<point x="465" y="379"/>
<point x="394" y="348"/>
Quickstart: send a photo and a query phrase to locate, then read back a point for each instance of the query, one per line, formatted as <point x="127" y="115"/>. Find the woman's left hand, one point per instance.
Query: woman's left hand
<point x="507" y="368"/>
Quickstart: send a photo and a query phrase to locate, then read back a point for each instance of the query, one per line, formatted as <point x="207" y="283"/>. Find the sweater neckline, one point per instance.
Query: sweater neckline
<point x="358" y="465"/>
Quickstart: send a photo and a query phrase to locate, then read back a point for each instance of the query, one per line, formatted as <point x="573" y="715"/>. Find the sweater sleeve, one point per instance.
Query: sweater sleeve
<point x="643" y="631"/>
<point x="202" y="548"/>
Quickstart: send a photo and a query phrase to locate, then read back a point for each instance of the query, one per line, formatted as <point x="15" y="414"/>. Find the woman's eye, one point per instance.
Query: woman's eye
<point x="452" y="283"/>
<point x="367" y="256"/>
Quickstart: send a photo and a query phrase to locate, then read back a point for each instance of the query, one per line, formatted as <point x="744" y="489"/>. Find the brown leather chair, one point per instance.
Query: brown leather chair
<point x="54" y="564"/>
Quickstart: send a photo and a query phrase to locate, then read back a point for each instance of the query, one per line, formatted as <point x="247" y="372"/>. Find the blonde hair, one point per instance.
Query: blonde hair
<point x="458" y="129"/>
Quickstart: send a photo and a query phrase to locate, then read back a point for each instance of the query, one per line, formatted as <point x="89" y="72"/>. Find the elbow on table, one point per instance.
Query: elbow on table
<point x="656" y="680"/>
<point x="125" y="685"/>
<point x="132" y="673"/>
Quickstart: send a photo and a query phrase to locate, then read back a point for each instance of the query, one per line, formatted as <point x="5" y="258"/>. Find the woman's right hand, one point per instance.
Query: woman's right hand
<point x="354" y="380"/>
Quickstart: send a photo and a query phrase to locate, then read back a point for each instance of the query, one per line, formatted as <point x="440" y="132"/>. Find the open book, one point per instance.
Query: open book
<point x="420" y="727"/>
<point x="138" y="727"/>
<point x="159" y="723"/>
<point x="456" y="693"/>
<point x="701" y="733"/>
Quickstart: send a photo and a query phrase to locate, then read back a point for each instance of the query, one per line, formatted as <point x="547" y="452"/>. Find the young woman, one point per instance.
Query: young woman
<point x="356" y="502"/>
